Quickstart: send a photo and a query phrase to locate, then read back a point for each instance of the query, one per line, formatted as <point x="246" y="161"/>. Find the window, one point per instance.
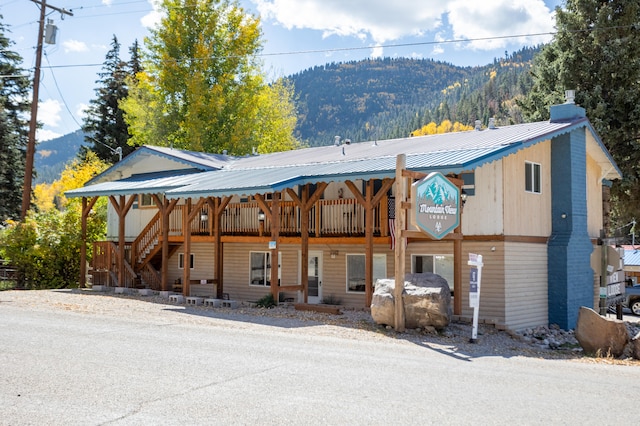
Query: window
<point x="181" y="261"/>
<point x="355" y="270"/>
<point x="532" y="177"/>
<point x="438" y="264"/>
<point x="261" y="268"/>
<point x="145" y="200"/>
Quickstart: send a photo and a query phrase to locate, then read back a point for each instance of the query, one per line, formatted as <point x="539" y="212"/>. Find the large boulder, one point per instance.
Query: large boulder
<point x="426" y="298"/>
<point x="599" y="335"/>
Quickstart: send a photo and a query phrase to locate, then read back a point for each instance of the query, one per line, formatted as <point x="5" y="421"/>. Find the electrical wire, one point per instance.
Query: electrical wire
<point x="64" y="102"/>
<point x="385" y="46"/>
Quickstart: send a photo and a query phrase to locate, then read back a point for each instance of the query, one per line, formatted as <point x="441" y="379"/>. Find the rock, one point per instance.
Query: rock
<point x="635" y="344"/>
<point x="426" y="298"/>
<point x="382" y="305"/>
<point x="600" y="336"/>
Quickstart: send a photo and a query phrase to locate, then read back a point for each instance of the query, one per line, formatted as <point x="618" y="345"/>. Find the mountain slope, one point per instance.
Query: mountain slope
<point x="388" y="98"/>
<point x="53" y="155"/>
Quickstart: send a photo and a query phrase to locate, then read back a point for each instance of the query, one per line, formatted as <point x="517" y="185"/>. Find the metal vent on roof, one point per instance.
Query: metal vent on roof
<point x="492" y="123"/>
<point x="478" y="125"/>
<point x="569" y="96"/>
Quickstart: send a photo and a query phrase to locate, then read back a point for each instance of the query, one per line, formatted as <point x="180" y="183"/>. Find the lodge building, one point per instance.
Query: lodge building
<point x="318" y="225"/>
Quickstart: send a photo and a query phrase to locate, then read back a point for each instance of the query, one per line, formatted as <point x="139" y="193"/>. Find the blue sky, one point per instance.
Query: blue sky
<point x="297" y="34"/>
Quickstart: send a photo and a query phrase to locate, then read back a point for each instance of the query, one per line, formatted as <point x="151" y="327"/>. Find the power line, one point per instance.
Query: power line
<point x="386" y="46"/>
<point x="64" y="102"/>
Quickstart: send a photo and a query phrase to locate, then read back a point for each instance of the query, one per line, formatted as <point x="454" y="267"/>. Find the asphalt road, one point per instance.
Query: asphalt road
<point x="71" y="368"/>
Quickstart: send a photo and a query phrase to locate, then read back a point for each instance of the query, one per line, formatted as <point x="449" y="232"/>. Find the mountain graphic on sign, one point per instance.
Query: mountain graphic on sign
<point x="438" y="193"/>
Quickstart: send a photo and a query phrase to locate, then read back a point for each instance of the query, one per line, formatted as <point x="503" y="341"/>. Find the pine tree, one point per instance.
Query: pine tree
<point x="13" y="128"/>
<point x="104" y="121"/>
<point x="596" y="52"/>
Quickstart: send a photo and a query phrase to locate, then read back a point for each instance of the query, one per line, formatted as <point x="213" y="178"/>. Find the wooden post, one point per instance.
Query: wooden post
<point x="305" y="205"/>
<point x="304" y="243"/>
<point x="86" y="210"/>
<point x="217" y="207"/>
<point x="368" y="237"/>
<point x="457" y="272"/>
<point x="186" y="252"/>
<point x="275" y="234"/>
<point x="401" y="219"/>
<point x="121" y="236"/>
<point x="165" y="206"/>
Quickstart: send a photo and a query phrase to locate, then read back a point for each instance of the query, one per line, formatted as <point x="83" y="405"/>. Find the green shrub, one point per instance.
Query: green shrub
<point x="331" y="300"/>
<point x="266" y="302"/>
<point x="45" y="249"/>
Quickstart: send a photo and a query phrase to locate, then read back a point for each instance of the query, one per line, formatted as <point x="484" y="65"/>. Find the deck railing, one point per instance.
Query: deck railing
<point x="326" y="218"/>
<point x="105" y="258"/>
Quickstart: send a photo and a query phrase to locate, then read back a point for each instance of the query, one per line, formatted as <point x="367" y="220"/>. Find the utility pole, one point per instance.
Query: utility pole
<point x="31" y="143"/>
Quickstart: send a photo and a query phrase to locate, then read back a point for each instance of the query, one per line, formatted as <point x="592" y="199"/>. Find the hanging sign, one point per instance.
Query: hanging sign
<point x="436" y="205"/>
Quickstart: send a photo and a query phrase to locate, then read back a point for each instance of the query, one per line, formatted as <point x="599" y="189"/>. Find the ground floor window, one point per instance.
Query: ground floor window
<point x="261" y="268"/>
<point x="181" y="261"/>
<point x="441" y="264"/>
<point x="356" y="268"/>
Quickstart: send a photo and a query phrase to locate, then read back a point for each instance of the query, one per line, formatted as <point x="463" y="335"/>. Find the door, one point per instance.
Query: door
<point x="315" y="277"/>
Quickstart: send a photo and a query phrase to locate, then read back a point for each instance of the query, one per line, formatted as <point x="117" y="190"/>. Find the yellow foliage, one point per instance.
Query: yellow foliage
<point x="75" y="175"/>
<point x="445" y="127"/>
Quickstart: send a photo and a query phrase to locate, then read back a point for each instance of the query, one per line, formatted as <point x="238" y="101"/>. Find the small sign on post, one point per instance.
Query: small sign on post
<point x="475" y="276"/>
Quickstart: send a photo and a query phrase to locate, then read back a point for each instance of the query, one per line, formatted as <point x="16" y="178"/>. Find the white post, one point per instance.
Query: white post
<point x="475" y="278"/>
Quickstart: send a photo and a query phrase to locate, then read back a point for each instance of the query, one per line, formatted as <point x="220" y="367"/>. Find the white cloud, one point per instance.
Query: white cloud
<point x="49" y="112"/>
<point x="45" y="135"/>
<point x="376" y="51"/>
<point x="74" y="46"/>
<point x="107" y="2"/>
<point x="381" y="20"/>
<point x="384" y="21"/>
<point x="483" y="20"/>
<point x="81" y="109"/>
<point x="152" y="18"/>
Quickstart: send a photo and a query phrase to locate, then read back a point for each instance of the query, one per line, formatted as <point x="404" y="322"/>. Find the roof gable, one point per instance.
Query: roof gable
<point x="151" y="159"/>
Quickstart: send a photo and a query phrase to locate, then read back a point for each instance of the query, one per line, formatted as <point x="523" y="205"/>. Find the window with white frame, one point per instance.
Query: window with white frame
<point x="532" y="177"/>
<point x="181" y="261"/>
<point x="260" y="267"/>
<point x="356" y="271"/>
<point x="146" y="200"/>
<point x="441" y="264"/>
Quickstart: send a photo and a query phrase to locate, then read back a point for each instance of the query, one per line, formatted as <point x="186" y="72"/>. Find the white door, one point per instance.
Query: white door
<point x="315" y="277"/>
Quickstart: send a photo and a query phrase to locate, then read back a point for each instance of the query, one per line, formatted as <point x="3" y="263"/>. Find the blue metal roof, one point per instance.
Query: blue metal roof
<point x="450" y="152"/>
<point x="632" y="257"/>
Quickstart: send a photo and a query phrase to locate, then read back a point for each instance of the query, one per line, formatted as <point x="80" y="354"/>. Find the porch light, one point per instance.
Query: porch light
<point x="334" y="254"/>
<point x="204" y="216"/>
<point x="463" y="197"/>
<point x="261" y="217"/>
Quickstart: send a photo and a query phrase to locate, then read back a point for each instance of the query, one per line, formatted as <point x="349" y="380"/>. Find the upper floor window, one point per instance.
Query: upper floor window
<point x="532" y="177"/>
<point x="146" y="200"/>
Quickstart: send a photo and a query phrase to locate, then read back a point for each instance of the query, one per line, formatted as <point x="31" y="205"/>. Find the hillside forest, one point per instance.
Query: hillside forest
<point x="377" y="99"/>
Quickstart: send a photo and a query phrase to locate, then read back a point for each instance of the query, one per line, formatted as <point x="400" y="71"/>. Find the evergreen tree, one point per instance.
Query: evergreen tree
<point x="13" y="128"/>
<point x="596" y="52"/>
<point x="202" y="88"/>
<point x="104" y="120"/>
